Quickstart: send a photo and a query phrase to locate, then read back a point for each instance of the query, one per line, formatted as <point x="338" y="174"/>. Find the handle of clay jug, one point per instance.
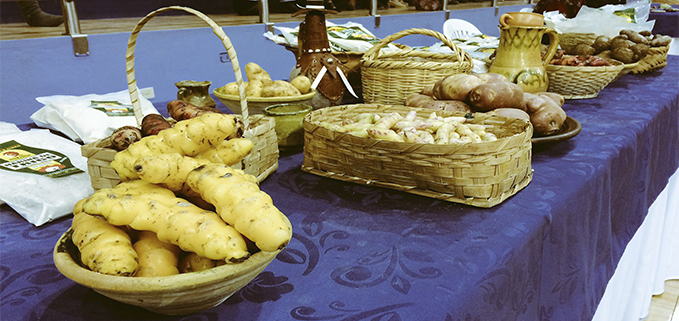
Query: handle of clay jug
<point x="180" y="93"/>
<point x="553" y="45"/>
<point x="504" y="19"/>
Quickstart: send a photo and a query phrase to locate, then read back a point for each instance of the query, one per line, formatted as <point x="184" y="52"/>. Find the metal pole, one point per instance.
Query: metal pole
<point x="264" y="15"/>
<point x="373" y="12"/>
<point x="72" y="25"/>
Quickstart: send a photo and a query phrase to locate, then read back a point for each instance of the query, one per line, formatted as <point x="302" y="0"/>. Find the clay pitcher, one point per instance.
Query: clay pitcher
<point x="196" y="93"/>
<point x="518" y="56"/>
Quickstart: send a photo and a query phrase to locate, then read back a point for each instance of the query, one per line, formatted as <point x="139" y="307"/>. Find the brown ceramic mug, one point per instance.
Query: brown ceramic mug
<point x="522" y="19"/>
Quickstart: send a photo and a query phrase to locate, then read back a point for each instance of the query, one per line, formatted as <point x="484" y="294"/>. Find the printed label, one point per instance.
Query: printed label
<point x="112" y="108"/>
<point x="31" y="160"/>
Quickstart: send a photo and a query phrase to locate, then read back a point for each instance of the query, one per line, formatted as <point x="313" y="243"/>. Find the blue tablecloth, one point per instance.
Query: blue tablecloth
<point x="365" y="253"/>
<point x="666" y="23"/>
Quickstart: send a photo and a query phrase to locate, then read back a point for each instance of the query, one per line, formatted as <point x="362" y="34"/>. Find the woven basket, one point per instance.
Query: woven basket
<point x="626" y="69"/>
<point x="655" y="59"/>
<point x="478" y="174"/>
<point x="568" y="41"/>
<point x="262" y="161"/>
<point x="581" y="82"/>
<point x="389" y="77"/>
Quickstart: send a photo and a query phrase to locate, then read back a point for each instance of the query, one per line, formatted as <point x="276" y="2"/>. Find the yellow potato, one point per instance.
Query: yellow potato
<point x="254" y="72"/>
<point x="232" y="88"/>
<point x="280" y="88"/>
<point x="254" y="88"/>
<point x="302" y="83"/>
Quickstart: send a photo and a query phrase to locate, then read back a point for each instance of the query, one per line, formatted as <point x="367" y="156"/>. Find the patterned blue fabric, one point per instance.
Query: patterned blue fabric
<point x="365" y="253"/>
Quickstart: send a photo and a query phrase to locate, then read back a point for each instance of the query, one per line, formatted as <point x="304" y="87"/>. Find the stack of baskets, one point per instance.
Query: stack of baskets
<point x="481" y="174"/>
<point x="262" y="161"/>
<point x="389" y="77"/>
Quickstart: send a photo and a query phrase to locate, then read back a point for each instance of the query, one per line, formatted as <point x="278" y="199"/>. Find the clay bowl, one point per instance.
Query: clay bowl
<point x="256" y="105"/>
<point x="181" y="294"/>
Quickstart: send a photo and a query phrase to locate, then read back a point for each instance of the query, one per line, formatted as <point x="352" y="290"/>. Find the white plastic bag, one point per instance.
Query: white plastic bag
<point x="40" y="198"/>
<point x="90" y="117"/>
<point x="630" y="16"/>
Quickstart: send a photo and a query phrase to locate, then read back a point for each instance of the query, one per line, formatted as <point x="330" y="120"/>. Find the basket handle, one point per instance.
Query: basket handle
<point x="132" y="82"/>
<point x="461" y="55"/>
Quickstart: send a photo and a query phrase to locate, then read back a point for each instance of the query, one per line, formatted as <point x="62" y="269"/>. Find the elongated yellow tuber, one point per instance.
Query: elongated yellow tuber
<point x="173" y="219"/>
<point x="188" y="137"/>
<point x="156" y="258"/>
<point x="241" y="203"/>
<point x="170" y="169"/>
<point x="228" y="152"/>
<point x="104" y="248"/>
<point x="193" y="262"/>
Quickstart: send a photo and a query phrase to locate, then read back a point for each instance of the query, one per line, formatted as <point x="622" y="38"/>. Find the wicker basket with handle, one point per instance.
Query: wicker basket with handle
<point x="262" y="161"/>
<point x="389" y="77"/>
<point x="481" y="174"/>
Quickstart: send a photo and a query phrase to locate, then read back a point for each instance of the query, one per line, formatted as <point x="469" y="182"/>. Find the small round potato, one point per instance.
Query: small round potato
<point x="302" y="83"/>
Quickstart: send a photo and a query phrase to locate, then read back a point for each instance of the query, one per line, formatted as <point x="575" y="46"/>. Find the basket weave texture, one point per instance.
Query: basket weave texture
<point x="478" y="174"/>
<point x="261" y="162"/>
<point x="581" y="82"/>
<point x="655" y="59"/>
<point x="389" y="77"/>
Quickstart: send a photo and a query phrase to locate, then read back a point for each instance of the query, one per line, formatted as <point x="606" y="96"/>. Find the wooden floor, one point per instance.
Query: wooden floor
<point x="12" y="31"/>
<point x="664" y="307"/>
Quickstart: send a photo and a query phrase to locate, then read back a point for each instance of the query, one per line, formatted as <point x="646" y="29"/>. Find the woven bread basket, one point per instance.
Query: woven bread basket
<point x="581" y="82"/>
<point x="478" y="174"/>
<point x="655" y="59"/>
<point x="389" y="77"/>
<point x="262" y="161"/>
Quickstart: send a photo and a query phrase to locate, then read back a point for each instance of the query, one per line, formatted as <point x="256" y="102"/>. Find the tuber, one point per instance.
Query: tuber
<point x="241" y="203"/>
<point x="103" y="247"/>
<point x="546" y="115"/>
<point x="125" y="136"/>
<point x="152" y="124"/>
<point x="156" y="258"/>
<point x="181" y="110"/>
<point x="456" y="87"/>
<point x="188" y="137"/>
<point x="145" y="207"/>
<point x="492" y="95"/>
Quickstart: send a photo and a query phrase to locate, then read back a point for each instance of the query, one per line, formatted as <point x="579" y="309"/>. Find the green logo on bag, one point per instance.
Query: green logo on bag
<point x="112" y="108"/>
<point x="25" y="159"/>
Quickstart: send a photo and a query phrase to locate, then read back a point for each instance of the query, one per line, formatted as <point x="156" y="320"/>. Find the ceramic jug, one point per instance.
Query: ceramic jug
<point x="196" y="93"/>
<point x="518" y="56"/>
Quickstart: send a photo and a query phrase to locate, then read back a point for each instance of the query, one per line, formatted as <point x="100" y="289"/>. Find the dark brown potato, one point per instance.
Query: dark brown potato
<point x="582" y="49"/>
<point x="640" y="50"/>
<point x="602" y="43"/>
<point x="181" y="110"/>
<point x="634" y="36"/>
<point x="625" y="55"/>
<point x="620" y="41"/>
<point x="151" y="124"/>
<point x="123" y="137"/>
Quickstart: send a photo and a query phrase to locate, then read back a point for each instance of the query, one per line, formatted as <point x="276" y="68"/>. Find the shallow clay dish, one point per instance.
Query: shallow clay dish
<point x="256" y="105"/>
<point x="173" y="295"/>
<point x="568" y="130"/>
